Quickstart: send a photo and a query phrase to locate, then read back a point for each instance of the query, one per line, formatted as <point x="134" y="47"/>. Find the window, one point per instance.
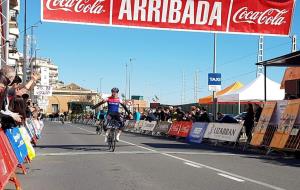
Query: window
<point x="55" y="108"/>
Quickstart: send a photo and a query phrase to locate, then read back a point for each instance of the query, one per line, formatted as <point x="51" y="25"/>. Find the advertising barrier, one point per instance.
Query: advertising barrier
<point x="273" y="126"/>
<point x="130" y="124"/>
<point x="263" y="123"/>
<point x="185" y="128"/>
<point x="139" y="125"/>
<point x="149" y="126"/>
<point x="288" y="125"/>
<point x="162" y="127"/>
<point x="226" y="16"/>
<point x="9" y="162"/>
<point x="4" y="174"/>
<point x="223" y="131"/>
<point x="27" y="140"/>
<point x="197" y="132"/>
<point x="17" y="143"/>
<point x="174" y="129"/>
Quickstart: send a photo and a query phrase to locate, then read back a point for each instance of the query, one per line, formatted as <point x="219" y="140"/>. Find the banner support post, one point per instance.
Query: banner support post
<point x="215" y="108"/>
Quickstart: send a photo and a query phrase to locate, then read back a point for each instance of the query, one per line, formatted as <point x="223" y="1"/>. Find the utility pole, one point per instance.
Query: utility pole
<point x="126" y="82"/>
<point x="215" y="106"/>
<point x="183" y="88"/>
<point x="129" y="78"/>
<point x="101" y="85"/>
<point x="31" y="57"/>
<point x="25" y="43"/>
<point x="129" y="81"/>
<point x="196" y="86"/>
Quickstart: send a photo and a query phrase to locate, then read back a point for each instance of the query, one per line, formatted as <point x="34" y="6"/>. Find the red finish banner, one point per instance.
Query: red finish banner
<point x="266" y="17"/>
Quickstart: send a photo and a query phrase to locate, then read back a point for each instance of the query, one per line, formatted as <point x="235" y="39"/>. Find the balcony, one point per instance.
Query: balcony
<point x="14" y="3"/>
<point x="14" y="56"/>
<point x="13" y="15"/>
<point x="14" y="31"/>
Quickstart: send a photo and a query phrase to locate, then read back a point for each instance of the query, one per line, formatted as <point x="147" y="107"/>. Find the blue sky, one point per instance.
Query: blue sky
<point x="84" y="54"/>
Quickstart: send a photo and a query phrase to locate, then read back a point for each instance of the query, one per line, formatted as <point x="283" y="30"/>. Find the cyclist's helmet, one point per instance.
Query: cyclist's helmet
<point x="115" y="90"/>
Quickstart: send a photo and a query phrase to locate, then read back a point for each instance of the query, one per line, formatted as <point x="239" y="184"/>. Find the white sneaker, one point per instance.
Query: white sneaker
<point x="118" y="137"/>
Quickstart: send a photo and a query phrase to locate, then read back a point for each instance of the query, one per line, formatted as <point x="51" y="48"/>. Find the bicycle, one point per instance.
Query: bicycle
<point x="99" y="126"/>
<point x="113" y="126"/>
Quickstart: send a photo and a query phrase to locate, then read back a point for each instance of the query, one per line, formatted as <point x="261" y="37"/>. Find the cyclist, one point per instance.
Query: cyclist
<point x="101" y="115"/>
<point x="114" y="103"/>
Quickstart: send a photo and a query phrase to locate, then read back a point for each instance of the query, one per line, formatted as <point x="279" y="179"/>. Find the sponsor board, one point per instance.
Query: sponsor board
<point x="197" y="132"/>
<point x="266" y="17"/>
<point x="223" y="131"/>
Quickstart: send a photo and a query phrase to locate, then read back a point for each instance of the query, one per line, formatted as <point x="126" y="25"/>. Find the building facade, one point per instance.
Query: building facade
<point x="63" y="95"/>
<point x="38" y="63"/>
<point x="14" y="32"/>
<point x="12" y="36"/>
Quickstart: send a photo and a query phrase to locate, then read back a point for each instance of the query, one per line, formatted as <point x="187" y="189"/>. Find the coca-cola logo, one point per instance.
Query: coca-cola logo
<point x="77" y="6"/>
<point x="268" y="17"/>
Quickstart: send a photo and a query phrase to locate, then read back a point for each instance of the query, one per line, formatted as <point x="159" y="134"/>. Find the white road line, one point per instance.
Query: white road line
<point x="127" y="152"/>
<point x="90" y="153"/>
<point x="193" y="165"/>
<point x="232" y="178"/>
<point x="204" y="166"/>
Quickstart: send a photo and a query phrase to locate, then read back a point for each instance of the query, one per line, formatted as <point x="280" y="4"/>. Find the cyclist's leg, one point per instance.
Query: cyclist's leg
<point x="106" y="129"/>
<point x="119" y="131"/>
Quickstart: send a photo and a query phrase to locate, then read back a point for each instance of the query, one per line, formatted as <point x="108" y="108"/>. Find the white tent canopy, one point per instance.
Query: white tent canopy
<point x="255" y="92"/>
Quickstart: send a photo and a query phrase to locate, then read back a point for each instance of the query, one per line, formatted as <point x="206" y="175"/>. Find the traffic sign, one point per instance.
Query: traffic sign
<point x="45" y="76"/>
<point x="214" y="81"/>
<point x="42" y="90"/>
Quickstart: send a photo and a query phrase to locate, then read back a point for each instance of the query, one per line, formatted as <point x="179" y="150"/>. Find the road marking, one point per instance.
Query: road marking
<point x="202" y="165"/>
<point x="232" y="178"/>
<point x="128" y="152"/>
<point x="193" y="165"/>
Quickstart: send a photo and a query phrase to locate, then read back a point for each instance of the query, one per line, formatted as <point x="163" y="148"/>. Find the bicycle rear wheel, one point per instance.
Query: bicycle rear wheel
<point x="113" y="142"/>
<point x="109" y="141"/>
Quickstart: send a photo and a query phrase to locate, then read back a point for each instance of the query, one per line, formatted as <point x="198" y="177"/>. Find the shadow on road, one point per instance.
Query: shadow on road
<point x="271" y="159"/>
<point x="78" y="147"/>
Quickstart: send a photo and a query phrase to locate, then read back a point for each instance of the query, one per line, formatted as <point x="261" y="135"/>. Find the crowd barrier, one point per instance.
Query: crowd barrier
<point x="192" y="132"/>
<point x="17" y="149"/>
<point x="277" y="129"/>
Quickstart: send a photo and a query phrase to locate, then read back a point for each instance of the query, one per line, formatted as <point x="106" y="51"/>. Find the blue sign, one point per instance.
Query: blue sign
<point x="197" y="132"/>
<point x="17" y="143"/>
<point x="214" y="78"/>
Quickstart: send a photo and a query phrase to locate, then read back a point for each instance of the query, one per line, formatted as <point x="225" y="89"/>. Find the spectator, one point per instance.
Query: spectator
<point x="249" y="122"/>
<point x="151" y="117"/>
<point x="258" y="112"/>
<point x="192" y="115"/>
<point x="8" y="118"/>
<point x="226" y="118"/>
<point x="204" y="117"/>
<point x="167" y="114"/>
<point x="136" y="115"/>
<point x="179" y="114"/>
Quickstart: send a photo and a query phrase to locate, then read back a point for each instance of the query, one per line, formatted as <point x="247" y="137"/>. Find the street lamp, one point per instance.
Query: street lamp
<point x="31" y="91"/>
<point x="25" y="42"/>
<point x="31" y="49"/>
<point x="129" y="78"/>
<point x="100" y="89"/>
<point x="35" y="57"/>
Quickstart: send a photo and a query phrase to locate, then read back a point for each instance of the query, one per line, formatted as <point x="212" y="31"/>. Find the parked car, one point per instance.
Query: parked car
<point x="241" y="116"/>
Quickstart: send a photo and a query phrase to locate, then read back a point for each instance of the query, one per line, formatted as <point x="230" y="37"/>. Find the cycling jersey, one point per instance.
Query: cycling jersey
<point x="113" y="104"/>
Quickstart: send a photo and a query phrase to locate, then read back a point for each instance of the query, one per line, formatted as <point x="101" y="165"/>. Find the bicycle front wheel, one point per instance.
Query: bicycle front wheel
<point x="113" y="143"/>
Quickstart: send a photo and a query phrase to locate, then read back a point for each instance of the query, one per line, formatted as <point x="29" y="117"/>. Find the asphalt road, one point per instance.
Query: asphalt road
<point x="73" y="157"/>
